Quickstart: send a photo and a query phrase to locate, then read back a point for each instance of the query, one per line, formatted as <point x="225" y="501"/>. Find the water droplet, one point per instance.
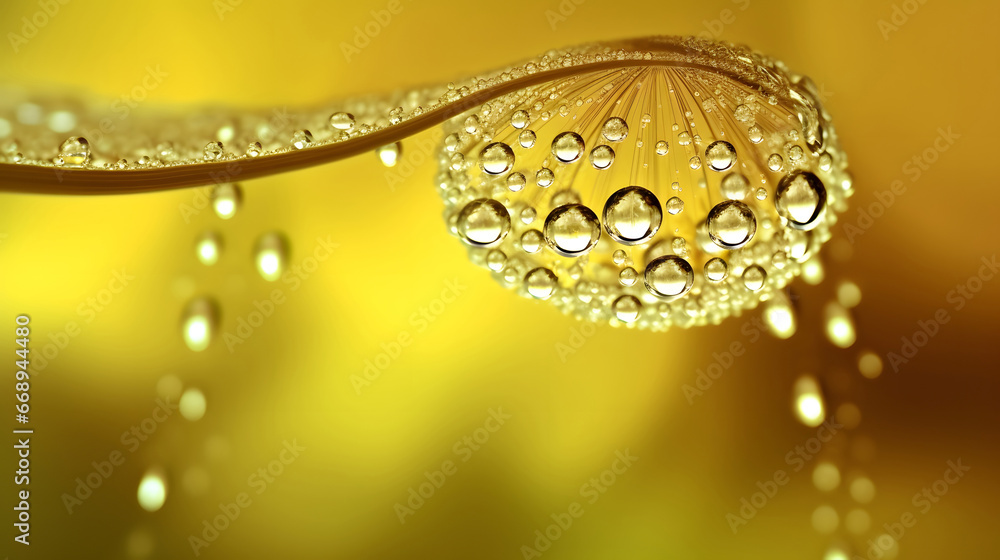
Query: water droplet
<point x="342" y="121"/>
<point x="192" y="404"/>
<point x="226" y="199"/>
<point x="800" y="199"/>
<point x="794" y="153"/>
<point x="389" y="154"/>
<point x="735" y="186"/>
<point x="213" y="151"/>
<point x="208" y="247"/>
<point x="627" y="308"/>
<point x="516" y="181"/>
<point x="199" y="323"/>
<point x="526" y="138"/>
<point x="825" y="161"/>
<point x="675" y="206"/>
<point x="496" y="260"/>
<point x="152" y="490"/>
<point x="301" y="139"/>
<point x="483" y="222"/>
<point x="870" y="364"/>
<point x="756" y="134"/>
<point x="568" y="147"/>
<point x="632" y="215"/>
<point x="628" y="276"/>
<point x="520" y="119"/>
<point x="694" y="162"/>
<point x="743" y="113"/>
<point x="716" y="269"/>
<point x="808" y="401"/>
<point x="668" y="276"/>
<point x="271" y="255"/>
<point x="496" y="158"/>
<point x="862" y="490"/>
<point x="541" y="283"/>
<point x="684" y="138"/>
<point x="731" y="224"/>
<point x="472" y="125"/>
<point x="761" y="193"/>
<point x="754" y="277"/>
<point x="779" y="316"/>
<point x="721" y="155"/>
<point x="254" y="149"/>
<point x="614" y="129"/>
<point x="544" y="177"/>
<point x="826" y="476"/>
<point x="572" y="230"/>
<point x="774" y="162"/>
<point x="531" y="241"/>
<point x="662" y="147"/>
<point x="75" y="151"/>
<point x="839" y="325"/>
<point x="528" y="215"/>
<point x="619" y="257"/>
<point x="602" y="156"/>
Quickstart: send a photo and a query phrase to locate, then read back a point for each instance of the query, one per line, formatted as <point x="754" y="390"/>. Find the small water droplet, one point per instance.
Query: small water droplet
<point x="627" y="308"/>
<point x="227" y="199"/>
<point x="662" y="147"/>
<point x="208" y="247"/>
<point x="721" y="155"/>
<point x="754" y="277"/>
<point x="568" y="147"/>
<point x="483" y="222"/>
<point x="520" y="119"/>
<point x="389" y="154"/>
<point x="75" y="151"/>
<point x="800" y="199"/>
<point x="199" y="323"/>
<point x="628" y="276"/>
<point x="544" y="177"/>
<point x="541" y="283"/>
<point x="301" y="139"/>
<point x="774" y="162"/>
<point x="675" y="206"/>
<point x="516" y="181"/>
<point x="731" y="224"/>
<point x="668" y="276"/>
<point x="526" y="138"/>
<point x="572" y="230"/>
<point x="531" y="241"/>
<point x="342" y="121"/>
<point x="614" y="129"/>
<point x="735" y="186"/>
<point x="213" y="151"/>
<point x="716" y="269"/>
<point x="271" y="255"/>
<point x="496" y="158"/>
<point x="602" y="156"/>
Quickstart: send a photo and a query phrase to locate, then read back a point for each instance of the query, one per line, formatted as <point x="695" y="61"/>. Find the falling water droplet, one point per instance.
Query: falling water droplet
<point x="192" y="404"/>
<point x="208" y="247"/>
<point x="152" y="492"/>
<point x="226" y="199"/>
<point x="199" y="323"/>
<point x="807" y="400"/>
<point x="271" y="255"/>
<point x="389" y="154"/>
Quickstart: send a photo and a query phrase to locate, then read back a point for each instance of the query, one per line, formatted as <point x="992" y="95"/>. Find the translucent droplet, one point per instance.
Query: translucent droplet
<point x="720" y="155"/>
<point x="342" y="121"/>
<point x="756" y="134"/>
<point x="572" y="230"/>
<point x="632" y="215"/>
<point x="761" y="193"/>
<point x="694" y="162"/>
<point x="208" y="247"/>
<point x="743" y="113"/>
<point x="516" y="181"/>
<point x="544" y="177"/>
<point x="528" y="215"/>
<point x="496" y="158"/>
<point x="619" y="257"/>
<point x="568" y="147"/>
<point x="668" y="276"/>
<point x="301" y="139"/>
<point x="627" y="308"/>
<point x="483" y="222"/>
<point x="541" y="283"/>
<point x="520" y="119"/>
<point x="496" y="260"/>
<point x="628" y="276"/>
<point x="199" y="323"/>
<point x="192" y="404"/>
<point x="774" y="162"/>
<point x="565" y="196"/>
<point x="839" y="325"/>
<point x="75" y="151"/>
<point x="735" y="186"/>
<point x="531" y="241"/>
<point x="731" y="224"/>
<point x="800" y="199"/>
<point x="614" y="129"/>
<point x="754" y="277"/>
<point x="254" y="149"/>
<point x="152" y="491"/>
<point x="271" y="255"/>
<point x="807" y="399"/>
<point x="213" y="151"/>
<point x="226" y="199"/>
<point x="602" y="156"/>
<point x="684" y="138"/>
<point x="794" y="153"/>
<point x="716" y="269"/>
<point x="472" y="125"/>
<point x="526" y="138"/>
<point x="389" y="154"/>
<point x="662" y="147"/>
<point x="674" y="206"/>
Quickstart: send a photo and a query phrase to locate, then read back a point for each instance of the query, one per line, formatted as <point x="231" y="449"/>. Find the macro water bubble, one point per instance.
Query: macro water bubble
<point x="674" y="206"/>
<point x="774" y="162"/>
<point x="627" y="308"/>
<point x="694" y="162"/>
<point x="301" y="139"/>
<point x="496" y="260"/>
<point x="602" y="157"/>
<point x="226" y="199"/>
<point x="662" y="147"/>
<point x="389" y="154"/>
<point x="531" y="241"/>
<point x="254" y="149"/>
<point x="208" y="247"/>
<point x="754" y="277"/>
<point x="668" y="276"/>
<point x="735" y="186"/>
<point x="628" y="276"/>
<point x="716" y="269"/>
<point x="731" y="224"/>
<point x="721" y="155"/>
<point x="755" y="134"/>
<point x="572" y="230"/>
<point x="800" y="199"/>
<point x="342" y="121"/>
<point x="614" y="129"/>
<point x="632" y="215"/>
<point x="496" y="158"/>
<point x="528" y="215"/>
<point x="684" y="138"/>
<point x="526" y="138"/>
<point x="541" y="283"/>
<point x="75" y="151"/>
<point x="213" y="151"/>
<point x="516" y="181"/>
<point x="271" y="255"/>
<point x="520" y="119"/>
<point x="567" y="147"/>
<point x="619" y="257"/>
<point x="199" y="323"/>
<point x="544" y="177"/>
<point x="483" y="222"/>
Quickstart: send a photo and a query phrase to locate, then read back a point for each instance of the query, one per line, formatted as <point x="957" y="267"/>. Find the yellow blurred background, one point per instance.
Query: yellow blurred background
<point x="575" y="396"/>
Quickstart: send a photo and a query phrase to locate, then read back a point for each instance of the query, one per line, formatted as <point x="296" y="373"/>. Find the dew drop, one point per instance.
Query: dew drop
<point x="389" y="154"/>
<point x="754" y="277"/>
<point x="544" y="177"/>
<point x="800" y="199"/>
<point x="774" y="162"/>
<point x="627" y="308"/>
<point x="207" y="248"/>
<point x="254" y="149"/>
<point x="614" y="129"/>
<point x="516" y="181"/>
<point x="662" y="147"/>
<point x="674" y="206"/>
<point x="531" y="241"/>
<point x="602" y="156"/>
<point x="199" y="323"/>
<point x="483" y="222"/>
<point x="520" y="119"/>
<point x="694" y="162"/>
<point x="75" y="151"/>
<point x="301" y="139"/>
<point x="721" y="155"/>
<point x="632" y="215"/>
<point x="619" y="257"/>
<point x="572" y="230"/>
<point x="541" y="283"/>
<point x="668" y="276"/>
<point x="568" y="147"/>
<point x="526" y="138"/>
<point x="271" y="255"/>
<point x="213" y="151"/>
<point x="756" y="134"/>
<point x="731" y="224"/>
<point x="226" y="199"/>
<point x="628" y="276"/>
<point x="684" y="138"/>
<point x="496" y="260"/>
<point x="496" y="158"/>
<point x="735" y="186"/>
<point x="342" y="121"/>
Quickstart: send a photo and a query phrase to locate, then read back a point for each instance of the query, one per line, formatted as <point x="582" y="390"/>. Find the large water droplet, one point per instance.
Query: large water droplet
<point x="572" y="230"/>
<point x="668" y="276"/>
<point x="731" y="224"/>
<point x="483" y="222"/>
<point x="496" y="158"/>
<point x="754" y="277"/>
<point x="800" y="199"/>
<point x="675" y="206"/>
<point x="720" y="155"/>
<point x="602" y="156"/>
<point x="302" y="139"/>
<point x="735" y="186"/>
<point x="208" y="247"/>
<point x="632" y="215"/>
<point x="520" y="119"/>
<point x="389" y="154"/>
<point x="568" y="147"/>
